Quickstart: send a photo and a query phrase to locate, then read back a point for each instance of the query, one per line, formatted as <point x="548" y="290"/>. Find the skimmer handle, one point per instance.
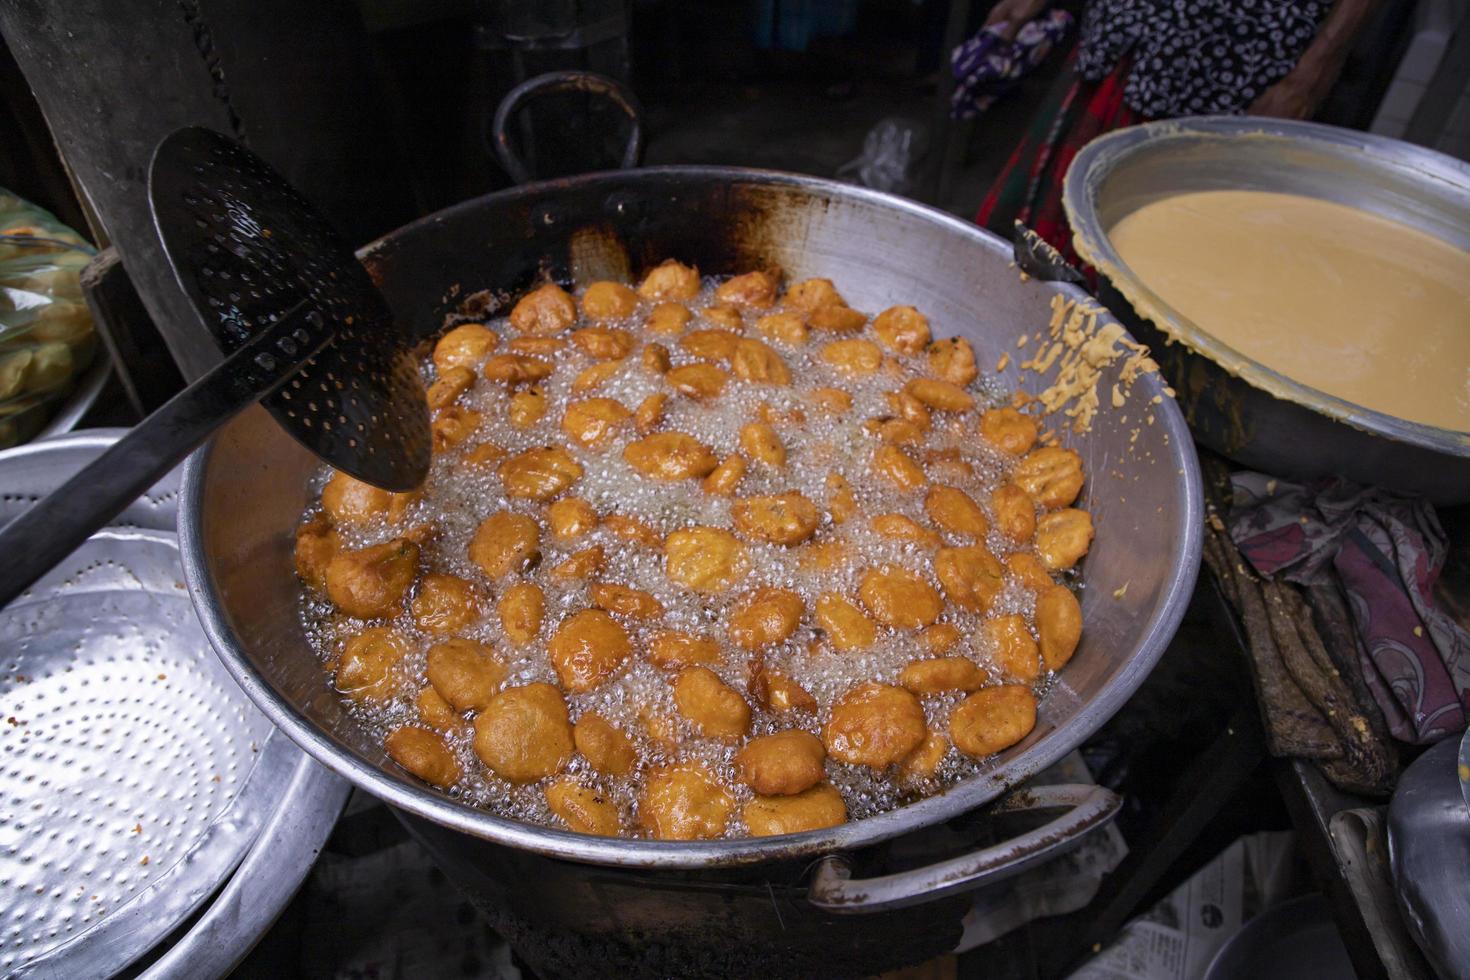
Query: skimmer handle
<point x="36" y="541"/>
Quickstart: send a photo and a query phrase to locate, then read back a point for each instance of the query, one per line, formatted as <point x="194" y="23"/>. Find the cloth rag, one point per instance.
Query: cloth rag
<point x="1386" y="551"/>
<point x="989" y="64"/>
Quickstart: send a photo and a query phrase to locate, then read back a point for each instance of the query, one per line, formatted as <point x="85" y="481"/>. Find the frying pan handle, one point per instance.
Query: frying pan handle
<point x="833" y="889"/>
<point x="586" y="82"/>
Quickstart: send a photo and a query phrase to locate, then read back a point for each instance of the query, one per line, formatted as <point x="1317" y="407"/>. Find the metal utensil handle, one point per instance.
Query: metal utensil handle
<point x="589" y="83"/>
<point x="833" y="889"/>
<point x="36" y="541"/>
<point x="1036" y="257"/>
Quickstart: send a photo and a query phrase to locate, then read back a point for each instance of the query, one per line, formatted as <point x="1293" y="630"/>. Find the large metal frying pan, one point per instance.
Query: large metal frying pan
<point x="244" y="493"/>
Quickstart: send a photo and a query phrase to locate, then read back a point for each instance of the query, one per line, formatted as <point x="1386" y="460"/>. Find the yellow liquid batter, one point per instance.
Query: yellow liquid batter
<point x="1367" y="309"/>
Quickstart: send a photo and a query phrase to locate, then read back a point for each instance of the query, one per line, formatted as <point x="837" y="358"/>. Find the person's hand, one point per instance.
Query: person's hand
<point x="1296" y="96"/>
<point x="1014" y="13"/>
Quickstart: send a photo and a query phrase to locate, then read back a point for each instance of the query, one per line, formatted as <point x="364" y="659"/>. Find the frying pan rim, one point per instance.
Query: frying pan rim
<point x="966" y="795"/>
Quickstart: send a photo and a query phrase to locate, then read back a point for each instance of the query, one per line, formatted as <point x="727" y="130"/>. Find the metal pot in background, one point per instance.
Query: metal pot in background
<point x="1428" y="849"/>
<point x="1237" y="406"/>
<point x="689" y="907"/>
<point x="1295" y="940"/>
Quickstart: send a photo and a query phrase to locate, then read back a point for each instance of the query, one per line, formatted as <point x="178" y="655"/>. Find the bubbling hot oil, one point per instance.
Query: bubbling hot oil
<point x="457" y="497"/>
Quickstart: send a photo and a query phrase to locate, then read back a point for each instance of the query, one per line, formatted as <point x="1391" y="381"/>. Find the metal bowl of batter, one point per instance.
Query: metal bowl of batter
<point x="1234" y="404"/>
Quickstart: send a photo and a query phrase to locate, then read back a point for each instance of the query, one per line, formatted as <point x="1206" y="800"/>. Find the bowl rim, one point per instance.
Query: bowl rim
<point x="1096" y="161"/>
<point x="550" y="842"/>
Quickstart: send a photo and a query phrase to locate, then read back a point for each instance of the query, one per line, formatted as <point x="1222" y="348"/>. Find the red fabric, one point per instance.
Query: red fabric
<point x="1029" y="189"/>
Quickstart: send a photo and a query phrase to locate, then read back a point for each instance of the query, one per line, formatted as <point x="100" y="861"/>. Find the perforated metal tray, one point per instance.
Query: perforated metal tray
<point x="135" y="777"/>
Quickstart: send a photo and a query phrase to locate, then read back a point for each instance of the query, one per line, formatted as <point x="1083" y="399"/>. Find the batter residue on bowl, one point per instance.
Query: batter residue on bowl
<point x="1360" y="307"/>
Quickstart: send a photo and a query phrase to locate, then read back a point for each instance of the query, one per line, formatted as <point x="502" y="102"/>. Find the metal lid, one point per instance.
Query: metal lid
<point x="135" y="774"/>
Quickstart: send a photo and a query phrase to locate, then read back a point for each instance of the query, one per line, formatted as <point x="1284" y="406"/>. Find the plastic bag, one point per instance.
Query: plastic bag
<point x="46" y="335"/>
<point x="890" y="158"/>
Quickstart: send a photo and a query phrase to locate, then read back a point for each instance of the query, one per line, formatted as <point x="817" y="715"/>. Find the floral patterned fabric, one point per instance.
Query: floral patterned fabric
<point x="988" y="65"/>
<point x="1196" y="57"/>
<point x="1386" y="551"/>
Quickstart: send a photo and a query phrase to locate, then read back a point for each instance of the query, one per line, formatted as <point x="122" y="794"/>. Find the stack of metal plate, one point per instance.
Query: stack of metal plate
<point x="143" y="792"/>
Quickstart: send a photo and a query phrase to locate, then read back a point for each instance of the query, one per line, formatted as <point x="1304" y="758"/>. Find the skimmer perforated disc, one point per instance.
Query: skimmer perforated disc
<point x="247" y="248"/>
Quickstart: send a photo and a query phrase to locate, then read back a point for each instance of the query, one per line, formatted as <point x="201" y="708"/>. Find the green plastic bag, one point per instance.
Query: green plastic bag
<point x="46" y="335"/>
